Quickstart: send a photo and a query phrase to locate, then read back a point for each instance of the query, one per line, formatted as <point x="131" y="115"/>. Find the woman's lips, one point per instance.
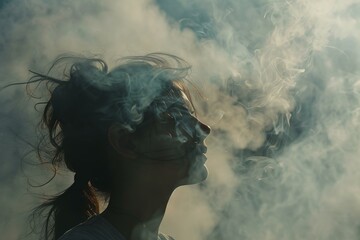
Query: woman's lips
<point x="198" y="152"/>
<point x="201" y="151"/>
<point x="202" y="148"/>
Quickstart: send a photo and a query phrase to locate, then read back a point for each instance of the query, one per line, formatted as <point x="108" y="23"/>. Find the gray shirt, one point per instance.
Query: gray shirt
<point x="98" y="228"/>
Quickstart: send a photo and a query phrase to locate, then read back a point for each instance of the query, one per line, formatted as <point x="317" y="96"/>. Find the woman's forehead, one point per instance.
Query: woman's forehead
<point x="186" y="101"/>
<point x="177" y="96"/>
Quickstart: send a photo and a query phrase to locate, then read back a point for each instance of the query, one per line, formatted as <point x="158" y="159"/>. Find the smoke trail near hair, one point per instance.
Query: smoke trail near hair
<point x="282" y="84"/>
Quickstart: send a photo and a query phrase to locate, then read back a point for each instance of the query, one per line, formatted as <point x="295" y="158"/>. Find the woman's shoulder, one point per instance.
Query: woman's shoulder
<point x="95" y="228"/>
<point x="165" y="237"/>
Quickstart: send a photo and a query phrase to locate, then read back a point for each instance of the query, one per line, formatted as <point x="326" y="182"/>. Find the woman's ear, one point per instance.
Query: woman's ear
<point x="120" y="140"/>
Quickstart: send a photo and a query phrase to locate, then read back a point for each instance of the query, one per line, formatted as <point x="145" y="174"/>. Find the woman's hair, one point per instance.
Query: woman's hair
<point x="84" y="102"/>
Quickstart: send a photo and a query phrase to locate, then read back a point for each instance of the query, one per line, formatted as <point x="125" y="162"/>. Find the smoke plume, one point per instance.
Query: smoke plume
<point x="281" y="82"/>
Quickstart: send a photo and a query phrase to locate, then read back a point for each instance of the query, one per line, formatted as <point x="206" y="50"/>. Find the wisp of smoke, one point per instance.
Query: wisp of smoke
<point x="282" y="86"/>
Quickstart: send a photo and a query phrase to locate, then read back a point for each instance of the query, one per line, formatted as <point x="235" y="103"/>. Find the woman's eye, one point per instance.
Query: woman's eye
<point x="166" y="118"/>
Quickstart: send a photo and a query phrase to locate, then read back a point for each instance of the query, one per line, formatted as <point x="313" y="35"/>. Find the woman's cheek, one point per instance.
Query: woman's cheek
<point x="160" y="147"/>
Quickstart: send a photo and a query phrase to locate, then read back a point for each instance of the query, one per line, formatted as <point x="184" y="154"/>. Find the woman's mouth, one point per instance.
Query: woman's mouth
<point x="200" y="152"/>
<point x="203" y="149"/>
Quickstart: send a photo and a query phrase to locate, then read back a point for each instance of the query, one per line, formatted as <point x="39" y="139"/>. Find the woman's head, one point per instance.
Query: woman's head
<point x="167" y="147"/>
<point x="104" y="124"/>
<point x="144" y="97"/>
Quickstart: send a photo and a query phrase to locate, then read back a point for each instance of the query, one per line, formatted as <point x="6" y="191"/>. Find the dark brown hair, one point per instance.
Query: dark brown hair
<point x="83" y="104"/>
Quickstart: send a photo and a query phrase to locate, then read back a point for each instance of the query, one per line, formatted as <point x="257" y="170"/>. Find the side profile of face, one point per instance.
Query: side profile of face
<point x="171" y="149"/>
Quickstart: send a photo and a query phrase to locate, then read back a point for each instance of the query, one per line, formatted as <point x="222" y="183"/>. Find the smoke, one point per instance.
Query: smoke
<point x="281" y="80"/>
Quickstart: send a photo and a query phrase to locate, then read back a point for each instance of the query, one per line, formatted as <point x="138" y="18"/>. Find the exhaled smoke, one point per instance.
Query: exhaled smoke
<point x="281" y="79"/>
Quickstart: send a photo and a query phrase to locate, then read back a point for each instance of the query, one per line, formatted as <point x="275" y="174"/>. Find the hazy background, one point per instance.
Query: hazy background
<point x="282" y="82"/>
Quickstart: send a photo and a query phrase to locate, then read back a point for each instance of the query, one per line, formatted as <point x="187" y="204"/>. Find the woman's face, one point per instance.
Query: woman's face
<point x="174" y="144"/>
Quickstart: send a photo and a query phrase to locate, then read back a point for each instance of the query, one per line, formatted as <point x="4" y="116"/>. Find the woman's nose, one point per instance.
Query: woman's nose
<point x="205" y="129"/>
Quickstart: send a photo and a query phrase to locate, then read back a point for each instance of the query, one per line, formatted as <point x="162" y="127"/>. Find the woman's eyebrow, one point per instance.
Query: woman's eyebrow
<point x="182" y="108"/>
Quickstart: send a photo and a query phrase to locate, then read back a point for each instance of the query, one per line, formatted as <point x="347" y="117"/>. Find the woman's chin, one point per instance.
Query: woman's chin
<point x="200" y="175"/>
<point x="197" y="174"/>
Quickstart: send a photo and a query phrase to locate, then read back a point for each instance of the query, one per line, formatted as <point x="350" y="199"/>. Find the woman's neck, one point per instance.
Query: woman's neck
<point x="137" y="214"/>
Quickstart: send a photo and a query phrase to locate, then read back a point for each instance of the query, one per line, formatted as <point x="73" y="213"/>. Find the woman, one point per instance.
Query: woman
<point x="130" y="134"/>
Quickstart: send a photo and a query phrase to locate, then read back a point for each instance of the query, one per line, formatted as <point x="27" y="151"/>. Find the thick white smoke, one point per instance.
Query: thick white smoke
<point x="282" y="84"/>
